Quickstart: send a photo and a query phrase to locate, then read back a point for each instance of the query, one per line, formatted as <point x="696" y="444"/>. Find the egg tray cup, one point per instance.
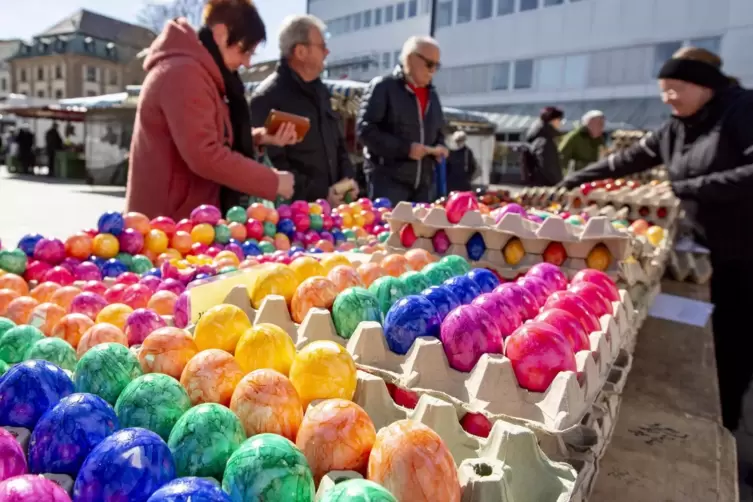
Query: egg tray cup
<point x="578" y="241"/>
<point x="687" y="266"/>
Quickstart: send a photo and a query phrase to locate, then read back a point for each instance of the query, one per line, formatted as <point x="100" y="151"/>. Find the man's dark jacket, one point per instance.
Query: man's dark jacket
<point x="321" y="159"/>
<point x="390" y="120"/>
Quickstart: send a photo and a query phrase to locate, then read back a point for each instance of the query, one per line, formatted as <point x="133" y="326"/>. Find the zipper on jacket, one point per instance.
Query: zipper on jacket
<point x="421" y="126"/>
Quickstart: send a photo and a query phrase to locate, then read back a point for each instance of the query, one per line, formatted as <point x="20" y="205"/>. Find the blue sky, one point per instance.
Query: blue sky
<point x="24" y="18"/>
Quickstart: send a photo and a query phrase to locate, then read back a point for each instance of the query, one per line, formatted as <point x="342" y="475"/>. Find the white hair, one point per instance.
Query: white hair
<point x="414" y="43"/>
<point x="589" y="116"/>
<point x="296" y="30"/>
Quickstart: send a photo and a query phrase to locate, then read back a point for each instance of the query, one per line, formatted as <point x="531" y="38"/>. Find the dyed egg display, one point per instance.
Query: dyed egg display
<point x="265" y="346"/>
<point x="211" y="376"/>
<point x="105" y="370"/>
<point x="314" y="292"/>
<point x="167" y="350"/>
<point x="31" y="488"/>
<point x="323" y="370"/>
<point x="353" y="306"/>
<point x="267" y="402"/>
<point x="221" y="327"/>
<point x="28" y="390"/>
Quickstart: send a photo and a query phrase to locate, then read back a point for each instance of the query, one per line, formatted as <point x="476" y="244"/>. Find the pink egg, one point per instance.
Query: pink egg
<point x="594" y="296"/>
<point x="519" y="299"/>
<point x="570" y="302"/>
<point x="115" y="293"/>
<point x="460" y="203"/>
<point x="58" y="275"/>
<point x="213" y="250"/>
<point x="600" y="279"/>
<point x="299" y="207"/>
<point x="467" y="333"/>
<point x="441" y="242"/>
<point x="539" y="352"/>
<point x="51" y="251"/>
<point x="511" y="208"/>
<point x="152" y="282"/>
<point x="87" y="271"/>
<point x="140" y="324"/>
<point x="97" y="287"/>
<point x="568" y="325"/>
<point x="284" y="212"/>
<point x="88" y="304"/>
<point x="537" y="287"/>
<point x="206" y="214"/>
<point x="172" y="285"/>
<point x="169" y="271"/>
<point x="550" y="274"/>
<point x="12" y="457"/>
<point x="36" y="269"/>
<point x="127" y="278"/>
<point x="506" y="318"/>
<point x="197" y="248"/>
<point x="131" y="241"/>
<point x="70" y="264"/>
<point x="182" y="314"/>
<point x="137" y="296"/>
<point x="31" y="488"/>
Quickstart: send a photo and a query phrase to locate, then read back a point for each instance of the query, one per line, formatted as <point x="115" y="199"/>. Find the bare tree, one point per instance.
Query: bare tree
<point x="154" y="14"/>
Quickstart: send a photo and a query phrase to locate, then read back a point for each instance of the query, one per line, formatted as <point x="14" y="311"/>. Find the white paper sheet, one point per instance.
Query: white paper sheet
<point x="681" y="310"/>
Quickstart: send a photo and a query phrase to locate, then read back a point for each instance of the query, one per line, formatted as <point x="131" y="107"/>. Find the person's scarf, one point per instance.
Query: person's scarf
<point x="240" y="117"/>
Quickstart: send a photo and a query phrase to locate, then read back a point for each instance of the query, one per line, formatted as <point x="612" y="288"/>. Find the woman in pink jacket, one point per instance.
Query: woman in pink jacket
<point x="192" y="138"/>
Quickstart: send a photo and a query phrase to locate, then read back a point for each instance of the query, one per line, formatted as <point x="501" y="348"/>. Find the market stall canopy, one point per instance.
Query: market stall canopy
<point x="24" y="106"/>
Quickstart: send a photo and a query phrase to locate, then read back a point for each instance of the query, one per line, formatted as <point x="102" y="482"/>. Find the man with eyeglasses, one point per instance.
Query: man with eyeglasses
<point x="320" y="163"/>
<point x="400" y="124"/>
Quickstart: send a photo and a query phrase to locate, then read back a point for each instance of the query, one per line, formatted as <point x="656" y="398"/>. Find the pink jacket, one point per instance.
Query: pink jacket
<point x="180" y="153"/>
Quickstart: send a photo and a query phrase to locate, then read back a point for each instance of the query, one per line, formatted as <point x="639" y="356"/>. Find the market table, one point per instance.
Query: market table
<point x="669" y="444"/>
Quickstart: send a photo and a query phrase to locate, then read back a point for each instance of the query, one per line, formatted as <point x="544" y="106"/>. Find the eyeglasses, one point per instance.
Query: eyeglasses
<point x="430" y="64"/>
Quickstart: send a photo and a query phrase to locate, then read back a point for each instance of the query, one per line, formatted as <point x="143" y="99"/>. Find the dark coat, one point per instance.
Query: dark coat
<point x="709" y="158"/>
<point x="389" y="121"/>
<point x="541" y="139"/>
<point x="321" y="159"/>
<point x="461" y="169"/>
<point x="52" y="139"/>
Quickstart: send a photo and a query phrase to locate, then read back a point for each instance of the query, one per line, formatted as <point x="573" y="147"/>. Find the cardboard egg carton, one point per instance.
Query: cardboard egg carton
<point x="534" y="237"/>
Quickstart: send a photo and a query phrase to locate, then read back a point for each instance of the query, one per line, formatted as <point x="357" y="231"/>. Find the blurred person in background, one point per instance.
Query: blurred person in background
<point x="53" y="143"/>
<point x="707" y="148"/>
<point x="462" y="167"/>
<point x="320" y="162"/>
<point x="540" y="159"/>
<point x="25" y="140"/>
<point x="192" y="134"/>
<point x="400" y="125"/>
<point x="582" y="146"/>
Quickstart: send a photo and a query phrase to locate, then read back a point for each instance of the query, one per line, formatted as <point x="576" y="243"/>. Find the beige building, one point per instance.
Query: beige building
<point x="86" y="54"/>
<point x="8" y="48"/>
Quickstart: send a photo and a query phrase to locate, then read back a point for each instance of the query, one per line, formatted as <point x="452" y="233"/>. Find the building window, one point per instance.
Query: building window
<point x="356" y="21"/>
<point x="386" y="60"/>
<point x="505" y="7"/>
<point x="484" y="9"/>
<point x="548" y="3"/>
<point x="346" y="24"/>
<point x="576" y="72"/>
<point x="40" y="73"/>
<point x="89" y="44"/>
<point x="377" y="17"/>
<point x="58" y="94"/>
<point x="550" y="73"/>
<point x="3" y="84"/>
<point x="413" y="8"/>
<point x="90" y="94"/>
<point x="22" y="75"/>
<point x="389" y="14"/>
<point x="713" y="44"/>
<point x="523" y="74"/>
<point x="528" y="5"/>
<point x="367" y="19"/>
<point x="464" y="11"/>
<point x="400" y="11"/>
<point x="58" y="72"/>
<point x="663" y="52"/>
<point x="444" y="14"/>
<point x="40" y="94"/>
<point x="91" y="74"/>
<point x="113" y="80"/>
<point x="501" y="77"/>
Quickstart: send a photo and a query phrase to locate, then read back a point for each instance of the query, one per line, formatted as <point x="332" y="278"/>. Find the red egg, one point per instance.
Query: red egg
<point x="184" y="225"/>
<point x="165" y="224"/>
<point x="127" y="278"/>
<point x="600" y="279"/>
<point x="570" y="302"/>
<point x="594" y="296"/>
<point x="137" y="296"/>
<point x="254" y="229"/>
<point x="97" y="287"/>
<point x="58" y="275"/>
<point x="407" y="236"/>
<point x="568" y="325"/>
<point x="460" y="203"/>
<point x="538" y="353"/>
<point x="115" y="293"/>
<point x="35" y="270"/>
<point x="476" y="424"/>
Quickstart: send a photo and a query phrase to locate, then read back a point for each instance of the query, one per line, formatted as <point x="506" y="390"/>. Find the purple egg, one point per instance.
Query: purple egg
<point x="70" y="264"/>
<point x="236" y="249"/>
<point x="310" y="237"/>
<point x="284" y="212"/>
<point x="534" y="218"/>
<point x="327" y="236"/>
<point x="537" y="287"/>
<point x="326" y="208"/>
<point x="206" y="269"/>
<point x="88" y="304"/>
<point x="467" y="333"/>
<point x="206" y="214"/>
<point x="50" y="251"/>
<point x="551" y="275"/>
<point x="337" y="221"/>
<point x="131" y="241"/>
<point x="140" y="324"/>
<point x="504" y="316"/>
<point x="519" y="299"/>
<point x="172" y="285"/>
<point x="169" y="271"/>
<point x="87" y="271"/>
<point x="511" y="208"/>
<point x="299" y="237"/>
<point x="182" y="312"/>
<point x="152" y="282"/>
<point x="186" y="275"/>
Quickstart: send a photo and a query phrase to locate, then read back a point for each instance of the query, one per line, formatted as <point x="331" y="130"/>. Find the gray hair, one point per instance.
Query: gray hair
<point x="590" y="115"/>
<point x="295" y="30"/>
<point x="412" y="45"/>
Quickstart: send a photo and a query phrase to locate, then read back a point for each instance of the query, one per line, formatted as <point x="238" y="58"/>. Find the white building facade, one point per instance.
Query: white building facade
<point x="515" y="56"/>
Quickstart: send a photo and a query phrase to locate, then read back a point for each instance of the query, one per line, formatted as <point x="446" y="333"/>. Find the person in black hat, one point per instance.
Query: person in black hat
<point x="707" y="148"/>
<point x="540" y="157"/>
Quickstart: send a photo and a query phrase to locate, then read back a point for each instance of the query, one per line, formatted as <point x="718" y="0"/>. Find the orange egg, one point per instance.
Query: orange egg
<point x="100" y="333"/>
<point x="418" y="258"/>
<point x="368" y="217"/>
<point x="345" y="277"/>
<point x="79" y="246"/>
<point x="46" y="316"/>
<point x="43" y="292"/>
<point x="72" y="327"/>
<point x="19" y="310"/>
<point x="211" y="377"/>
<point x="272" y="216"/>
<point x="163" y="302"/>
<point x="238" y="231"/>
<point x="65" y="295"/>
<point x="182" y="241"/>
<point x="325" y="246"/>
<point x="156" y="241"/>
<point x="14" y="282"/>
<point x="228" y="255"/>
<point x="248" y="263"/>
<point x="167" y="350"/>
<point x="282" y="242"/>
<point x="343" y="209"/>
<point x="7" y="296"/>
<point x="370" y="272"/>
<point x="257" y="211"/>
<point x="395" y="265"/>
<point x="313" y="292"/>
<point x="138" y="222"/>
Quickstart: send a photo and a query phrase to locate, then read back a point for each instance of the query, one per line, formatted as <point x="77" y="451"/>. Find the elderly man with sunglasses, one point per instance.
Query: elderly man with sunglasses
<point x="400" y="124"/>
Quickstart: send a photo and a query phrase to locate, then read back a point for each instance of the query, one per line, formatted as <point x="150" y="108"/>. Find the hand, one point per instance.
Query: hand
<point x="337" y="192"/>
<point x="417" y="151"/>
<point x="334" y="198"/>
<point x="285" y="184"/>
<point x="439" y="152"/>
<point x="285" y="135"/>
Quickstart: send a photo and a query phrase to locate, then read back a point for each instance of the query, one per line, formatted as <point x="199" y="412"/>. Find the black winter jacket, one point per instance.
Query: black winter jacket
<point x="389" y="121"/>
<point x="461" y="169"/>
<point x="541" y="142"/>
<point x="709" y="157"/>
<point x="321" y="159"/>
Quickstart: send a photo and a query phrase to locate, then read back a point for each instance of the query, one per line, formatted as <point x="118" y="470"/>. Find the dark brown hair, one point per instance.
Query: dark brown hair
<point x="704" y="56"/>
<point x="551" y="113"/>
<point x="242" y="19"/>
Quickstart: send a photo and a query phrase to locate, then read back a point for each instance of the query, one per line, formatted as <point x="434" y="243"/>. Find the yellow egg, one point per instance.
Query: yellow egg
<point x="306" y="267"/>
<point x="115" y="314"/>
<point x="599" y="258"/>
<point x="265" y="346"/>
<point x="323" y="370"/>
<point x="514" y="251"/>
<point x="655" y="235"/>
<point x="203" y="233"/>
<point x="221" y="327"/>
<point x="275" y="280"/>
<point x="229" y="255"/>
<point x="334" y="260"/>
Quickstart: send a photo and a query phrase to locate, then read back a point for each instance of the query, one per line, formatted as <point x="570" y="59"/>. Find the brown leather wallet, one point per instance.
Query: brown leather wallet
<point x="276" y="119"/>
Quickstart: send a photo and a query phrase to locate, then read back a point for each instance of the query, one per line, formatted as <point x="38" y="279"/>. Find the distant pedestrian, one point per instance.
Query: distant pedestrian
<point x="541" y="159"/>
<point x="462" y="167"/>
<point x="582" y="146"/>
<point x="25" y="141"/>
<point x="53" y="143"/>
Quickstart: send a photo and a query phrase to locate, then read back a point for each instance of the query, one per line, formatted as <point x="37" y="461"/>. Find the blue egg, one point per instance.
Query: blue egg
<point x="476" y="247"/>
<point x="250" y="248"/>
<point x="29" y="389"/>
<point x="28" y="242"/>
<point x="156" y="272"/>
<point x="113" y="268"/>
<point x="66" y="434"/>
<point x="99" y="262"/>
<point x="190" y="489"/>
<point x="296" y="249"/>
<point x="130" y="464"/>
<point x="111" y="222"/>
<point x="408" y="319"/>
<point x="200" y="277"/>
<point x="234" y="241"/>
<point x="464" y="288"/>
<point x="444" y="300"/>
<point x="287" y="227"/>
<point x="484" y="278"/>
<point x="315" y="250"/>
<point x="382" y="202"/>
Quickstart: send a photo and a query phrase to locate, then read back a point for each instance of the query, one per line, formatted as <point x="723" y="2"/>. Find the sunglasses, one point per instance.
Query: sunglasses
<point x="430" y="64"/>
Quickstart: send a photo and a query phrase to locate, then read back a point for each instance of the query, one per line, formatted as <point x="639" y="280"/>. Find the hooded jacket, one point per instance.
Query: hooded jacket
<point x="180" y="153"/>
<point x="543" y="147"/>
<point x="709" y="158"/>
